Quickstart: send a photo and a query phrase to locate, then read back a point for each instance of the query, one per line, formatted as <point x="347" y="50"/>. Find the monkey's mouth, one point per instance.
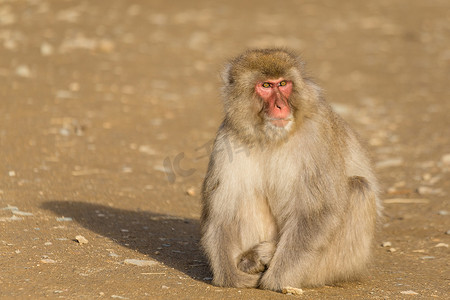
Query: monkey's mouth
<point x="280" y="122"/>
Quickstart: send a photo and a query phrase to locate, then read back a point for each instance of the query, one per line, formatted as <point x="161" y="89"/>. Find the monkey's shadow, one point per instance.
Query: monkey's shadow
<point x="170" y="240"/>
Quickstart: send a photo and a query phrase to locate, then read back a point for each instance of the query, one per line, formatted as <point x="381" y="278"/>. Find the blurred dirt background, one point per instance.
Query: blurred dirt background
<point x="108" y="110"/>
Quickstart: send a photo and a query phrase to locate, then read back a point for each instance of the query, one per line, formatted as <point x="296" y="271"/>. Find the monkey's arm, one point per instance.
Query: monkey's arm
<point x="220" y="222"/>
<point x="299" y="245"/>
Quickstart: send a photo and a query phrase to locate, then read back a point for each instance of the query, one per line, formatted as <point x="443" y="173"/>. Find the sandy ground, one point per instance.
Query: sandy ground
<point x="108" y="110"/>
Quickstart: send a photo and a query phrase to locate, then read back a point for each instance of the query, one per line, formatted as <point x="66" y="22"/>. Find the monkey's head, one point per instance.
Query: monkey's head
<point x="263" y="94"/>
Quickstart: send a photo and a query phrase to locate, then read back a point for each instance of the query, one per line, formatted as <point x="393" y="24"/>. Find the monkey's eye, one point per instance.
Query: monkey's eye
<point x="266" y="85"/>
<point x="283" y="83"/>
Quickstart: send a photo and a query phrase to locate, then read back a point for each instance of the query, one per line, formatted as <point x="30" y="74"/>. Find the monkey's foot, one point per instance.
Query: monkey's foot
<point x="268" y="282"/>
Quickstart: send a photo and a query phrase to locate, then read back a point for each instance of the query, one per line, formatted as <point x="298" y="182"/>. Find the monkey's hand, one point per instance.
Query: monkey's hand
<point x="256" y="259"/>
<point x="250" y="263"/>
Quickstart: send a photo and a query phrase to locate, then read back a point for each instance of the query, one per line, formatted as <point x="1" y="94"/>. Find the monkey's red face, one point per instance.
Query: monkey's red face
<point x="275" y="94"/>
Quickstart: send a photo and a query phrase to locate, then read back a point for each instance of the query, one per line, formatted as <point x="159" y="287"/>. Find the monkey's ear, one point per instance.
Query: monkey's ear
<point x="227" y="77"/>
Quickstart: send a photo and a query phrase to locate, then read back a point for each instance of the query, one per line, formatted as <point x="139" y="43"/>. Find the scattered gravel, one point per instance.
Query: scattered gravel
<point x="95" y="95"/>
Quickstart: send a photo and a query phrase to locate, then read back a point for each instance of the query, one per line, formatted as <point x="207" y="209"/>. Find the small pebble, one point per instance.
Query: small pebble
<point x="425" y="190"/>
<point x="64" y="219"/>
<point x="164" y="287"/>
<point x="23" y="71"/>
<point x="446" y="159"/>
<point x="191" y="191"/>
<point x="409" y="292"/>
<point x="46" y="49"/>
<point x="15" y="210"/>
<point x="21" y="213"/>
<point x="81" y="239"/>
<point x="442" y="245"/>
<point x="292" y="290"/>
<point x="48" y="244"/>
<point x="140" y="262"/>
<point x="386" y="244"/>
<point x="147" y="150"/>
<point x="64" y="131"/>
<point x="392" y="250"/>
<point x="406" y="201"/>
<point x="447" y="232"/>
<point x="127" y="170"/>
<point x="13" y="218"/>
<point x="118" y="297"/>
<point x="10" y="207"/>
<point x="443" y="213"/>
<point x="48" y="261"/>
<point x="427" y="257"/>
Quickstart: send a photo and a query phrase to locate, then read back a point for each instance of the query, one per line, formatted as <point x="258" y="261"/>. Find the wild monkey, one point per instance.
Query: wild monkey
<point x="299" y="208"/>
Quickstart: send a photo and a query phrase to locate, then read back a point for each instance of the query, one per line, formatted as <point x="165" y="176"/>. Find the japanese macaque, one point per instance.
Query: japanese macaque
<point x="298" y="207"/>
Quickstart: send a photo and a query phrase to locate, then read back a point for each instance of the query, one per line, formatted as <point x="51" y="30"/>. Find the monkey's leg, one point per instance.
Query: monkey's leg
<point x="349" y="251"/>
<point x="222" y="249"/>
<point x="256" y="259"/>
<point x="331" y="246"/>
<point x="346" y="257"/>
<point x="351" y="247"/>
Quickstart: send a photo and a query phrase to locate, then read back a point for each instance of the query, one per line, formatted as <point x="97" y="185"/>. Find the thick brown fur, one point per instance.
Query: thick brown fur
<point x="299" y="206"/>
